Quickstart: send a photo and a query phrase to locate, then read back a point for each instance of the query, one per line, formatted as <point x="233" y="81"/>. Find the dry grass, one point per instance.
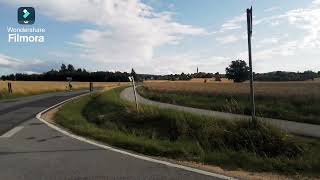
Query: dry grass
<point x="24" y="88"/>
<point x="274" y="89"/>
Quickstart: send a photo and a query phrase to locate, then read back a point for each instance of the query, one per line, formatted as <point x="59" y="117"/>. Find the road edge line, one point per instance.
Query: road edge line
<point x="146" y="158"/>
<point x="11" y="132"/>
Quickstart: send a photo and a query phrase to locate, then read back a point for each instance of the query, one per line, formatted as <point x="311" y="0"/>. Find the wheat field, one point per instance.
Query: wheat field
<point x="295" y="101"/>
<point x="274" y="89"/>
<point x="24" y="88"/>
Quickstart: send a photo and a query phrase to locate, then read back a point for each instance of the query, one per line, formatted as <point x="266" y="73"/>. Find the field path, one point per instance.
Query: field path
<point x="290" y="126"/>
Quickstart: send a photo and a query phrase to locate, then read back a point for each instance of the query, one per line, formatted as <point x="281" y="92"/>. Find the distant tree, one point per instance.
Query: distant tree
<point x="238" y="71"/>
<point x="171" y="77"/>
<point x="309" y="75"/>
<point x="202" y="75"/>
<point x="63" y="68"/>
<point x="285" y="76"/>
<point x="217" y="76"/>
<point x="70" y="68"/>
<point x="79" y="70"/>
<point x="12" y="77"/>
<point x="184" y="76"/>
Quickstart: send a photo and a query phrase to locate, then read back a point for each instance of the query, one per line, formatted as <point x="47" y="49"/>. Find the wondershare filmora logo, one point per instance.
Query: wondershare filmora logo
<point x="26" y="15"/>
<point x="26" y="34"/>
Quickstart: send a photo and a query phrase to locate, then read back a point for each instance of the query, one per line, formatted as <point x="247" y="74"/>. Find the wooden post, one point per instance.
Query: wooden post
<point x="91" y="86"/>
<point x="10" y="88"/>
<point x="69" y="79"/>
<point x="70" y="86"/>
<point x="249" y="26"/>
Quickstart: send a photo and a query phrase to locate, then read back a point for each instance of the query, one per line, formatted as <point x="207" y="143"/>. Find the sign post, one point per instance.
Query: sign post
<point x="249" y="26"/>
<point x="131" y="78"/>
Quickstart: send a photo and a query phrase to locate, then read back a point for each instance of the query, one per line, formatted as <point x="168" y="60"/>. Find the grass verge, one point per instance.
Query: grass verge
<point x="298" y="109"/>
<point x="185" y="136"/>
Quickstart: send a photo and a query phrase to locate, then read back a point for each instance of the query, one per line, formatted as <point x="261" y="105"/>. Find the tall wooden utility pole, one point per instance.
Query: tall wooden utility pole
<point x="249" y="25"/>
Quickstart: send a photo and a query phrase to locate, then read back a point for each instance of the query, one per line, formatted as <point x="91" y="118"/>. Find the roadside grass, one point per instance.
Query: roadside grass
<point x="183" y="136"/>
<point x="294" y="108"/>
<point x="28" y="88"/>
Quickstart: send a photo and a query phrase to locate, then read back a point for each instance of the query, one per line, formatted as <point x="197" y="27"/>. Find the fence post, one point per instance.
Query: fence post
<point x="91" y="86"/>
<point x="10" y="88"/>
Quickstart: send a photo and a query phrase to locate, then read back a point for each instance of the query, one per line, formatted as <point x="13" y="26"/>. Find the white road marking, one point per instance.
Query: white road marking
<point x="89" y="141"/>
<point x="11" y="132"/>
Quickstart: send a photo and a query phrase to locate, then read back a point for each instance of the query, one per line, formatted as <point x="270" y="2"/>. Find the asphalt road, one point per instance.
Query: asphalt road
<point x="15" y="111"/>
<point x="37" y="151"/>
<point x="290" y="126"/>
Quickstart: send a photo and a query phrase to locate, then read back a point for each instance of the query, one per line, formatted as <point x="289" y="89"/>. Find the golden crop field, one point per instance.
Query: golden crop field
<point x="23" y="88"/>
<point x="211" y="80"/>
<point x="275" y="89"/>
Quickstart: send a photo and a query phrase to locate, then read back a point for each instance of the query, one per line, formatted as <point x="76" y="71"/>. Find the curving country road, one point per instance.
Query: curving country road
<point x="33" y="150"/>
<point x="290" y="126"/>
<point x="15" y="111"/>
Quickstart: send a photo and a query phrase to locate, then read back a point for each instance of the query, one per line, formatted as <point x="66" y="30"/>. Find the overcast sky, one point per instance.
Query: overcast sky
<point x="162" y="36"/>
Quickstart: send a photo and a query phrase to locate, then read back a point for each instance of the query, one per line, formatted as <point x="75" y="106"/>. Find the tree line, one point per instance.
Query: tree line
<point x="69" y="71"/>
<point x="239" y="72"/>
<point x="286" y="76"/>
